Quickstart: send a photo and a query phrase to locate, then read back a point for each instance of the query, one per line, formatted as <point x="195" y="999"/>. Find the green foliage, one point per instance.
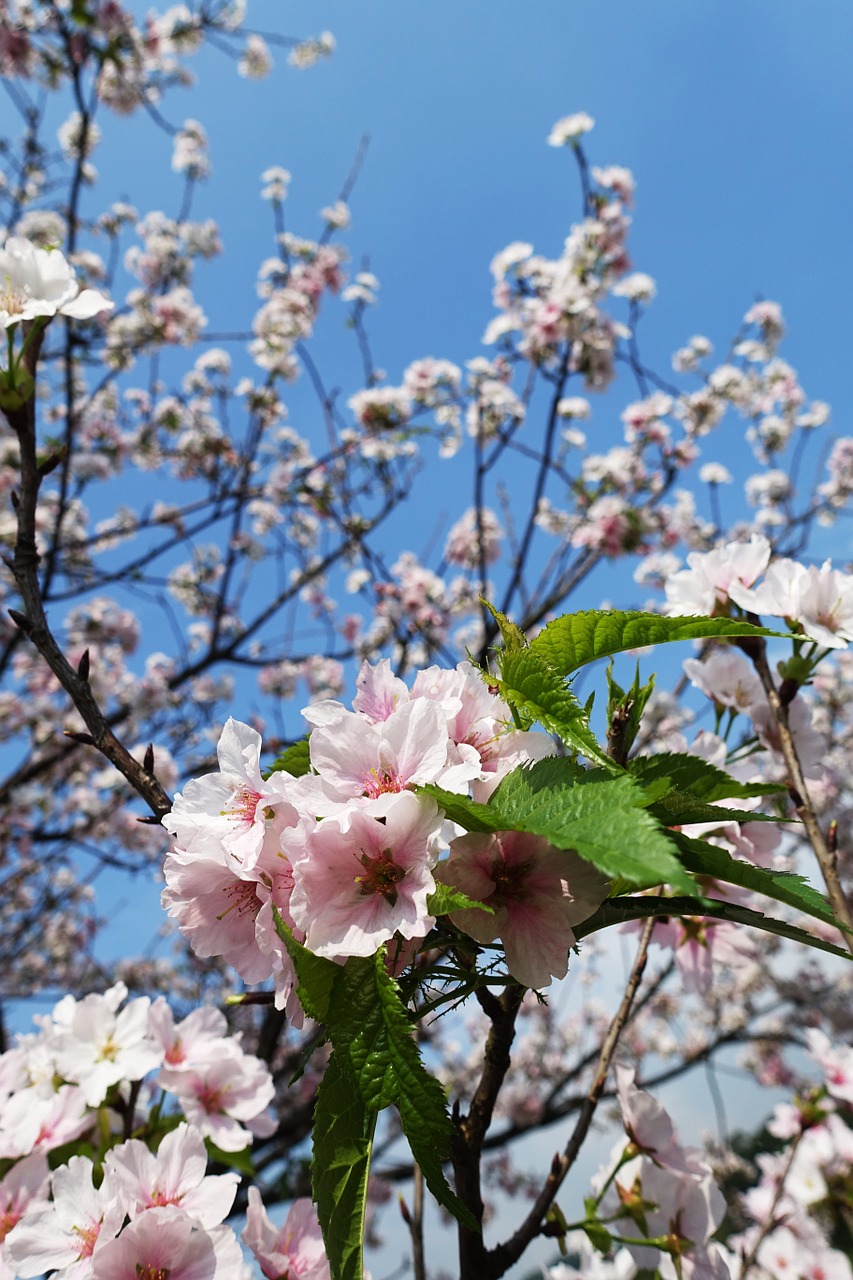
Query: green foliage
<point x="447" y="899"/>
<point x="538" y="691"/>
<point x="295" y="760"/>
<point x="241" y="1161"/>
<point x="575" y="639"/>
<point x="704" y="859"/>
<point x="622" y="910"/>
<point x="340" y="1167"/>
<point x="686" y="773"/>
<point x="376" y="1064"/>
<point x="625" y="709"/>
<point x="601" y="817"/>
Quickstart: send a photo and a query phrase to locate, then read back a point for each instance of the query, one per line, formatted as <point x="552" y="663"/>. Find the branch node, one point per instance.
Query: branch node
<point x="148" y="759"/>
<point x="85" y="738"/>
<point x="22" y="622"/>
<point x="83" y="666"/>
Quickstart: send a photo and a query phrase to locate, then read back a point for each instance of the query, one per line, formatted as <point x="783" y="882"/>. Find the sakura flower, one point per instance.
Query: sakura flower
<point x="68" y="1232"/>
<point x="25" y="1184"/>
<point x="714" y="576"/>
<point x="727" y="678"/>
<point x="826" y="606"/>
<point x="97" y="1046"/>
<point x="295" y="1249"/>
<point x="366" y="875"/>
<point x="230" y="810"/>
<point x="535" y="892"/>
<point x="357" y="759"/>
<point x="161" y="1242"/>
<point x="226" y="1100"/>
<point x="41" y="283"/>
<point x="836" y="1063"/>
<point x="570" y="129"/>
<point x="198" y="1038"/>
<point x="176" y="1175"/>
<point x="647" y="1122"/>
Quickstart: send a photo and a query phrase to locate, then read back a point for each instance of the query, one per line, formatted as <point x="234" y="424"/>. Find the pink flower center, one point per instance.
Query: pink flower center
<point x="88" y="1237"/>
<point x="379" y="782"/>
<point x="151" y="1272"/>
<point x="211" y="1098"/>
<point x="7" y="1222"/>
<point x="244" y="807"/>
<point x="509" y="882"/>
<point x="175" y="1053"/>
<point x="242" y="899"/>
<point x="381" y="875"/>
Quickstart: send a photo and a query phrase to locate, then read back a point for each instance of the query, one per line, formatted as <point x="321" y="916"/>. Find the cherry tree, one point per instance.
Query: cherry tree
<point x="386" y="830"/>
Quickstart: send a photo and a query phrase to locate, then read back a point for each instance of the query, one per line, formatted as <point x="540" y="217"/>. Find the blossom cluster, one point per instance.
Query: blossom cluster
<point x="90" y="1078"/>
<point x="347" y="853"/>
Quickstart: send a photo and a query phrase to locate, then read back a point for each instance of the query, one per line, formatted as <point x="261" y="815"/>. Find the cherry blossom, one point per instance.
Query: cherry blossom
<point x="366" y="874"/>
<point x="296" y="1248"/>
<point x="40" y="283"/>
<point x="535" y="894"/>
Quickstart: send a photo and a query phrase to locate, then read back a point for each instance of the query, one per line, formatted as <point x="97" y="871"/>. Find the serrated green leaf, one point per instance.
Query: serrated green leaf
<point x="529" y="683"/>
<point x="340" y="1166"/>
<point x="316" y="976"/>
<point x="447" y="899"/>
<point x="705" y="859"/>
<point x="467" y="813"/>
<point x="679" y="809"/>
<point x="513" y="637"/>
<point x="684" y="772"/>
<point x="600" y="816"/>
<point x="420" y="1099"/>
<point x="368" y="1024"/>
<point x="622" y="910"/>
<point x="295" y="760"/>
<point x="573" y="640"/>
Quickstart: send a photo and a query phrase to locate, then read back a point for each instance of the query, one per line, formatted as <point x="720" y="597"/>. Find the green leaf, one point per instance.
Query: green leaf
<point x="599" y="816"/>
<point x="573" y="640"/>
<point x="599" y="1237"/>
<point x="467" y="813"/>
<point x="530" y="684"/>
<point x="679" y="808"/>
<point x="295" y="760"/>
<point x="447" y="899"/>
<point x="705" y="781"/>
<point x="369" y="1026"/>
<point x="513" y="637"/>
<point x="705" y="859"/>
<point x="316" y="975"/>
<point x="340" y="1165"/>
<point x="621" y="910"/>
<point x="420" y="1098"/>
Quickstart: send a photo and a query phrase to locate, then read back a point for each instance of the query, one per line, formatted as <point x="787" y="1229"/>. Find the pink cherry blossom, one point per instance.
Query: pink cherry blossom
<point x="230" y="810"/>
<point x="366" y="875"/>
<point x="535" y="892"/>
<point x="226" y="1100"/>
<point x="26" y="1184"/>
<point x="295" y="1249"/>
<point x="176" y="1175"/>
<point x="68" y="1232"/>
<point x="161" y="1242"/>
